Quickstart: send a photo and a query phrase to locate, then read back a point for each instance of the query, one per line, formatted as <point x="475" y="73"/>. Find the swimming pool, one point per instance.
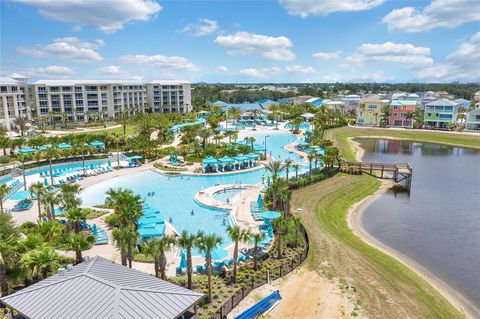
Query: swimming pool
<point x="174" y="195"/>
<point x="227" y="194"/>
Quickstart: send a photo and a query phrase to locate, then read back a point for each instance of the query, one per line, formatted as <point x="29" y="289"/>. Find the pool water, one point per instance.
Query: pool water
<point x="228" y="194"/>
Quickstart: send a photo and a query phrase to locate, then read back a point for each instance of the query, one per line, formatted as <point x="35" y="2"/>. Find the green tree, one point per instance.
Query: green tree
<point x="75" y="217"/>
<point x="4" y="189"/>
<point x="50" y="154"/>
<point x="255" y="239"/>
<point x="280" y="226"/>
<point x="125" y="237"/>
<point x="78" y="243"/>
<point x="41" y="261"/>
<point x="21" y="124"/>
<point x="50" y="199"/>
<point x="237" y="235"/>
<point x="207" y="243"/>
<point x="187" y="242"/>
<point x="38" y="190"/>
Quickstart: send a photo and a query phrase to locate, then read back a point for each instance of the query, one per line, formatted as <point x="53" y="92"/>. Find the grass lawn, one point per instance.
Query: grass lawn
<point x="340" y="137"/>
<point x="385" y="288"/>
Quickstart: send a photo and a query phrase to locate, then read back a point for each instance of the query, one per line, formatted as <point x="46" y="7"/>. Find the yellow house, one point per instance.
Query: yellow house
<point x="369" y="111"/>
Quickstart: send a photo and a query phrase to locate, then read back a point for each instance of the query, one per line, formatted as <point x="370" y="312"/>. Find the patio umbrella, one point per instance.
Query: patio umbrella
<point x="44" y="147"/>
<point x="94" y="230"/>
<point x="136" y="157"/>
<point x="26" y="150"/>
<point x="109" y="163"/>
<point x="63" y="146"/>
<point x="97" y="144"/>
<point x="271" y="214"/>
<point x="45" y="182"/>
<point x="183" y="260"/>
<point x="260" y="201"/>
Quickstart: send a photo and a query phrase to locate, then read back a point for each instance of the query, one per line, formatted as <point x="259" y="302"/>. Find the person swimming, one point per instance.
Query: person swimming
<point x="170" y="220"/>
<point x="192" y="212"/>
<point x="228" y="201"/>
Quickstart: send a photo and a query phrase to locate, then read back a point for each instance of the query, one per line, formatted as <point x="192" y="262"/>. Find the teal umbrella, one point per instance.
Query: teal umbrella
<point x="183" y="260"/>
<point x="136" y="157"/>
<point x="26" y="150"/>
<point x="260" y="201"/>
<point x="109" y="163"/>
<point x="44" y="147"/>
<point x="97" y="144"/>
<point x="64" y="146"/>
<point x="271" y="214"/>
<point x="45" y="182"/>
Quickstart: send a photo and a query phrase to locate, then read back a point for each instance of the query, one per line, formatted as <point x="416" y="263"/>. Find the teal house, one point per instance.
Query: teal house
<point x="440" y="113"/>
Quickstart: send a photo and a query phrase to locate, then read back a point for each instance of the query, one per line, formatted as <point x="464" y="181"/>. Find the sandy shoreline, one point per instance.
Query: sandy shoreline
<point x="354" y="220"/>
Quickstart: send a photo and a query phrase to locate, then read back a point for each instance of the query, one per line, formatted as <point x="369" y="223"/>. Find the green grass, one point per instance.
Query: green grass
<point x="340" y="137"/>
<point x="386" y="288"/>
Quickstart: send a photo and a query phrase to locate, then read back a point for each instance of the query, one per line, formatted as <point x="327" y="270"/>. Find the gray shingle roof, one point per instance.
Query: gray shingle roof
<point x="101" y="288"/>
<point x="442" y="102"/>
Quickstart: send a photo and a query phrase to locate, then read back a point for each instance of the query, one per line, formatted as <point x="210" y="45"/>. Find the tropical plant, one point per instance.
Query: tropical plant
<point x="280" y="226"/>
<point x="296" y="224"/>
<point x="126" y="237"/>
<point x="237" y="235"/>
<point x="38" y="189"/>
<point x="256" y="238"/>
<point x="275" y="168"/>
<point x="207" y="243"/>
<point x="296" y="167"/>
<point x="21" y="124"/>
<point x="187" y="241"/>
<point x="78" y="243"/>
<point x="41" y="261"/>
<point x="311" y="158"/>
<point x="4" y="189"/>
<point x="75" y="217"/>
<point x="50" y="154"/>
<point x="286" y="164"/>
<point x="50" y="199"/>
<point x="127" y="206"/>
<point x="3" y="278"/>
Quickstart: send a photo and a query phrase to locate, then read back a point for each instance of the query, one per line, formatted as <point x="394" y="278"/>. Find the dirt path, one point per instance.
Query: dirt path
<point x="305" y="295"/>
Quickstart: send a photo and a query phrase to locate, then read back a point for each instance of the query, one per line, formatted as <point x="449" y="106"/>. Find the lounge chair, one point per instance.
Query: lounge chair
<point x="199" y="268"/>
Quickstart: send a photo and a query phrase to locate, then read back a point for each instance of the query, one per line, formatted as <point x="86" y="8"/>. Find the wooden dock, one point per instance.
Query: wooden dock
<point x="399" y="172"/>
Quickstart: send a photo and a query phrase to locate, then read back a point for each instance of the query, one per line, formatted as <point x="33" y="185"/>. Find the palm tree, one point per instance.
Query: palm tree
<point x="296" y="167"/>
<point x="51" y="153"/>
<point x="207" y="243"/>
<point x="295" y="222"/>
<point x="150" y="248"/>
<point x="50" y="199"/>
<point x="250" y="140"/>
<point x="310" y="158"/>
<point x="4" y="189"/>
<point x="280" y="226"/>
<point x="256" y="238"/>
<point x="127" y="206"/>
<point x="50" y="230"/>
<point x="52" y="114"/>
<point x="125" y="237"/>
<point x="69" y="196"/>
<point x="237" y="235"/>
<point x="234" y="112"/>
<point x="21" y="124"/>
<point x="75" y="217"/>
<point x="3" y="278"/>
<point x="41" y="261"/>
<point x="187" y="241"/>
<point x="164" y="244"/>
<point x="288" y="162"/>
<point x="38" y="190"/>
<point x="79" y="243"/>
<point x="275" y="168"/>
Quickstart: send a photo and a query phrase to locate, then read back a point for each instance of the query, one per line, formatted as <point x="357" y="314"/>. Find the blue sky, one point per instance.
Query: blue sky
<point x="243" y="41"/>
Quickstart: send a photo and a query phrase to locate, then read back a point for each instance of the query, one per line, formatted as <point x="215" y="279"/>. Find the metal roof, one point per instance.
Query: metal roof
<point x="442" y="102"/>
<point x="101" y="288"/>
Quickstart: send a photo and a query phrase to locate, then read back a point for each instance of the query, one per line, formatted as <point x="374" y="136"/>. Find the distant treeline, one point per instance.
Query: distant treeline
<point x="203" y="93"/>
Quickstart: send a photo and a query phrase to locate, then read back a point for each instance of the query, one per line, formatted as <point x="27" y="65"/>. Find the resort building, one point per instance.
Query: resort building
<point x="351" y="101"/>
<point x="400" y="111"/>
<point x="100" y="288"/>
<point x="473" y="120"/>
<point x="169" y="96"/>
<point x="13" y="100"/>
<point x="476" y="96"/>
<point x="440" y="113"/>
<point x="369" y="112"/>
<point x="81" y="100"/>
<point x="335" y="105"/>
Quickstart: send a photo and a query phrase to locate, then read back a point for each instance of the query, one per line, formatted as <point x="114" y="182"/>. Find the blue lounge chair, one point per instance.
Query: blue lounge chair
<point x="199" y="268"/>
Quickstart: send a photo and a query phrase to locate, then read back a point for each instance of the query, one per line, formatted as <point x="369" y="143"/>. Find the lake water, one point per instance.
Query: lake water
<point x="438" y="225"/>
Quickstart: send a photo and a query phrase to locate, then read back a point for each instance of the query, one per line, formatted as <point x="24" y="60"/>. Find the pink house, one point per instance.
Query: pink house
<point x="398" y="113"/>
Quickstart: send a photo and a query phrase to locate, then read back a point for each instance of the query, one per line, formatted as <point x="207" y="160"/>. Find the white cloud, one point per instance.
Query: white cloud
<point x="259" y="72"/>
<point x="377" y="76"/>
<point x="325" y="56"/>
<point x="438" y="14"/>
<point x="272" y="48"/>
<point x="304" y="8"/>
<point x="461" y="65"/>
<point x="221" y="68"/>
<point x="69" y="48"/>
<point x="301" y="69"/>
<point x="110" y="69"/>
<point x="162" y="61"/>
<point x="105" y="15"/>
<point x="334" y="77"/>
<point x="204" y="27"/>
<point x="391" y="52"/>
<point x="48" y="71"/>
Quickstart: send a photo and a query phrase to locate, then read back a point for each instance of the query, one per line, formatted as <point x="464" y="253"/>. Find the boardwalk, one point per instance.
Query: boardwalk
<point x="399" y="172"/>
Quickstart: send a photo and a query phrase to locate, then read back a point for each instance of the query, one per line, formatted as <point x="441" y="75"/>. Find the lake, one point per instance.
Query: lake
<point x="438" y="224"/>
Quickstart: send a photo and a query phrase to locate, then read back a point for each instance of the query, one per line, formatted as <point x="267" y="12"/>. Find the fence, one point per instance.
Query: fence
<point x="323" y="175"/>
<point x="240" y="294"/>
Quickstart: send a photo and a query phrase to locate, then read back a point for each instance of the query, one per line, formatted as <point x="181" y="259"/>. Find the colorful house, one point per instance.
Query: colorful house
<point x="473" y="120"/>
<point x="440" y="113"/>
<point x="369" y="111"/>
<point x="314" y="101"/>
<point x="463" y="102"/>
<point x="399" y="110"/>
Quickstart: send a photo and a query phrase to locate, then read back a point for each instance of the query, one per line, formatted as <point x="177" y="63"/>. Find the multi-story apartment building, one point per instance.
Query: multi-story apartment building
<point x="473" y="120"/>
<point x="370" y="109"/>
<point x="399" y="111"/>
<point x="440" y="113"/>
<point x="81" y="100"/>
<point x="169" y="96"/>
<point x="13" y="100"/>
